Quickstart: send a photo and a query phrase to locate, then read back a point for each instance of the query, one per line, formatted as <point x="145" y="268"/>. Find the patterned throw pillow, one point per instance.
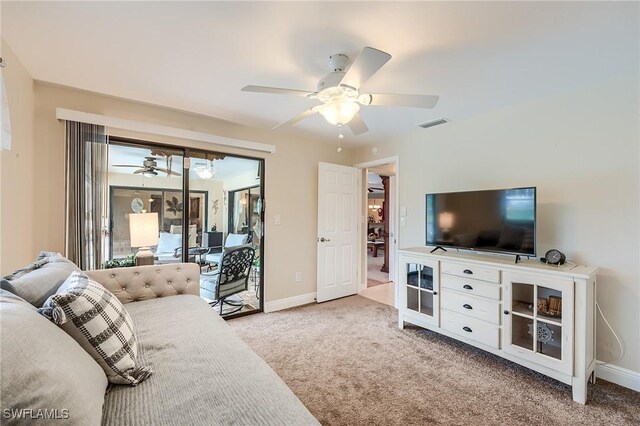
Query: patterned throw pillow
<point x="95" y="318"/>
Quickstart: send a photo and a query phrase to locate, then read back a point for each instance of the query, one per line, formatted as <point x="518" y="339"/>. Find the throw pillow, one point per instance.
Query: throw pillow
<point x="44" y="371"/>
<point x="40" y="279"/>
<point x="96" y="319"/>
<point x="169" y="242"/>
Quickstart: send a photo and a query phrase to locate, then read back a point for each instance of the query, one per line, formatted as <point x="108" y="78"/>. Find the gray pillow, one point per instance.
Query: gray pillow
<point x="39" y="280"/>
<point x="45" y="369"/>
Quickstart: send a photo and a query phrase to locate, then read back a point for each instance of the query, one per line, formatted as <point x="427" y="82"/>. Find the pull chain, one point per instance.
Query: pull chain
<point x="340" y="137"/>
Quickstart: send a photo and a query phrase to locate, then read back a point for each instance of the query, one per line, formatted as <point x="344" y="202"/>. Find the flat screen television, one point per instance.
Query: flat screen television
<point x="499" y="220"/>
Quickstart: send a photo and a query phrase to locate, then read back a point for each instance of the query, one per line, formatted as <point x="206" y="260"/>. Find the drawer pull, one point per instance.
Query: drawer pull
<point x="468" y="272"/>
<point x="467" y="306"/>
<point x="467" y="287"/>
<point x="467" y="329"/>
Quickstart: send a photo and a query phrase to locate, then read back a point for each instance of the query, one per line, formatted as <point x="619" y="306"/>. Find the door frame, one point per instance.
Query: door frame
<point x="362" y="247"/>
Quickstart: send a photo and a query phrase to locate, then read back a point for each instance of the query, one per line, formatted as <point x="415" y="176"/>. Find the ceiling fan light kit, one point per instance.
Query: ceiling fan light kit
<point x="339" y="91"/>
<point x="149" y="168"/>
<point x="205" y="171"/>
<point x="339" y="113"/>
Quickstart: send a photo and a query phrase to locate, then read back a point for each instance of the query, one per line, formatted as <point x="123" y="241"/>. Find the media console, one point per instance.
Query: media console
<point x="536" y="315"/>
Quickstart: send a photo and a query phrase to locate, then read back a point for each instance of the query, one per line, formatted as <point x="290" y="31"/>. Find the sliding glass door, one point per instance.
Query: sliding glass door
<point x="204" y="203"/>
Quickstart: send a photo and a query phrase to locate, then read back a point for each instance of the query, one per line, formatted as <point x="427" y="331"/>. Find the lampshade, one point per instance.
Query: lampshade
<point x="143" y="229"/>
<point x="445" y="220"/>
<point x="339" y="112"/>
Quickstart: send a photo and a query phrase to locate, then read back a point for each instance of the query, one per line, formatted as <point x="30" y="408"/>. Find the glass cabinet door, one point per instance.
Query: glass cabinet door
<point x="538" y="319"/>
<point x="421" y="288"/>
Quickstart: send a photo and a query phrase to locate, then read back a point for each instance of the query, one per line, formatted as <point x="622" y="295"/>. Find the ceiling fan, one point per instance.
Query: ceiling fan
<point x="149" y="168"/>
<point x="374" y="188"/>
<point x="339" y="91"/>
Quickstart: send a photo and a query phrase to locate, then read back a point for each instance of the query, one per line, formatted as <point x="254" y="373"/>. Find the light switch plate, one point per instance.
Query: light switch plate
<point x="403" y="212"/>
<point x="278" y="219"/>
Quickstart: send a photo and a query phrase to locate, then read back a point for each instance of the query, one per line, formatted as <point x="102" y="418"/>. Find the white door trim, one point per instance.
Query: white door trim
<point x="396" y="224"/>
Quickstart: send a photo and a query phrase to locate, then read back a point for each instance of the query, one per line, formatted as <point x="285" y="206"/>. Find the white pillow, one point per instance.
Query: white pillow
<point x="234" y="240"/>
<point x="169" y="242"/>
<point x="193" y="233"/>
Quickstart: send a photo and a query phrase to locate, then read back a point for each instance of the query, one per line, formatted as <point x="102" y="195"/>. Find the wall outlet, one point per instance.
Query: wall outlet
<point x="278" y="219"/>
<point x="298" y="277"/>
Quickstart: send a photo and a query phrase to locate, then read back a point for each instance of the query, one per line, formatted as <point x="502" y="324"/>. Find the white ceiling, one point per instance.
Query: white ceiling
<point x="225" y="169"/>
<point x="197" y="56"/>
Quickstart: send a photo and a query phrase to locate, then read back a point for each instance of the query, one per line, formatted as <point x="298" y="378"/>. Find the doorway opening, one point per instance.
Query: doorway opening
<point x="378" y="262"/>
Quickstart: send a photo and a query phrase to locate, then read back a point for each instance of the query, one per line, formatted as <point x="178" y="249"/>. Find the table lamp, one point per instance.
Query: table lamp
<point x="143" y="229"/>
<point x="445" y="220"/>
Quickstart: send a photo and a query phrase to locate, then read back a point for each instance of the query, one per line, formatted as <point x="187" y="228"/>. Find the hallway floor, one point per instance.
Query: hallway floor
<point x="382" y="293"/>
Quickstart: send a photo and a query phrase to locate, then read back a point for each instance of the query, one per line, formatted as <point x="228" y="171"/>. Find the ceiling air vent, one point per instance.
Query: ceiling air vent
<point x="435" y="122"/>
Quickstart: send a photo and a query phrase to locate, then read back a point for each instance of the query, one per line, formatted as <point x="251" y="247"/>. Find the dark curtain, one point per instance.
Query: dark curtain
<point x="86" y="164"/>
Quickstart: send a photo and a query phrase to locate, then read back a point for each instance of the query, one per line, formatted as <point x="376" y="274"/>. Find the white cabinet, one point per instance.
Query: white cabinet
<point x="536" y="315"/>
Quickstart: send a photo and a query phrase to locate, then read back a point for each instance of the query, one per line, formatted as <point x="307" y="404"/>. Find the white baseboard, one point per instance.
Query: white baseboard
<point x="289" y="302"/>
<point x="618" y="375"/>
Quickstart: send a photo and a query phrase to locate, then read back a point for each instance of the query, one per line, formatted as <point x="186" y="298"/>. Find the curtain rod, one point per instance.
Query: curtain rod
<point x="157" y="129"/>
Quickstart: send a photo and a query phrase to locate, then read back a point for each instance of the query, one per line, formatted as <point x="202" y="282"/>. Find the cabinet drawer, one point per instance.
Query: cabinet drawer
<point x="471" y="271"/>
<point x="483" y="309"/>
<point x="471" y="286"/>
<point x="471" y="328"/>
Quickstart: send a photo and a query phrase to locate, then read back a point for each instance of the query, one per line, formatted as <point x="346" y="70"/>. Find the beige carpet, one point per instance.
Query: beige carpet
<point x="350" y="365"/>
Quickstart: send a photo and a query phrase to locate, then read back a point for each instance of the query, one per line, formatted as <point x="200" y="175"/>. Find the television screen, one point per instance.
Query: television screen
<point x="501" y="220"/>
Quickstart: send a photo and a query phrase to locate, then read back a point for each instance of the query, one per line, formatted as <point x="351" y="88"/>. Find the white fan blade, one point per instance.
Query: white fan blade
<point x="276" y="91"/>
<point x="415" y="101"/>
<point x="300" y="117"/>
<point x="357" y="126"/>
<point x="137" y="172"/>
<point x="169" y="172"/>
<point x="366" y="64"/>
<point x="126" y="165"/>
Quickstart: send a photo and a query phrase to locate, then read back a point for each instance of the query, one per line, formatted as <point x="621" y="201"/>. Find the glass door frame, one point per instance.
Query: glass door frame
<point x="565" y="286"/>
<point x="187" y="153"/>
<point x="434" y="318"/>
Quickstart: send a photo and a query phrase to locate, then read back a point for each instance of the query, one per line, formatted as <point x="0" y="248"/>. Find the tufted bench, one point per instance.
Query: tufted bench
<point x="149" y="282"/>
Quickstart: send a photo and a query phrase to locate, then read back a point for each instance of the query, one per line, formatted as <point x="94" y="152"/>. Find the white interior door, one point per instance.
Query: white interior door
<point x="337" y="231"/>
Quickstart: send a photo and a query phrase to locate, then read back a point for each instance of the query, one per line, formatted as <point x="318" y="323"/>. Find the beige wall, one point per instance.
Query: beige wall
<point x="290" y="173"/>
<point x="18" y="203"/>
<point x="581" y="150"/>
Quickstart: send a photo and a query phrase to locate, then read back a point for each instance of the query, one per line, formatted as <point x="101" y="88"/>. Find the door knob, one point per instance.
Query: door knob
<point x="323" y="239"/>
